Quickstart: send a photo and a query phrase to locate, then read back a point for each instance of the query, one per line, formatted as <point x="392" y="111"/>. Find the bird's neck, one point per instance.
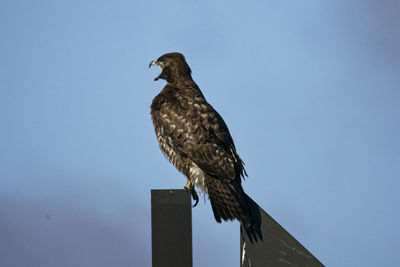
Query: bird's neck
<point x="181" y="80"/>
<point x="185" y="85"/>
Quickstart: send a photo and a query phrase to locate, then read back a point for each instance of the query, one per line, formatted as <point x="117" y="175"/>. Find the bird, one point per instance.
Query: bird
<point x="195" y="139"/>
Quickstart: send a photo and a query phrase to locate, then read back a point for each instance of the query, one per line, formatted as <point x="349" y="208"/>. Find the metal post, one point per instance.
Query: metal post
<point x="277" y="247"/>
<point x="171" y="228"/>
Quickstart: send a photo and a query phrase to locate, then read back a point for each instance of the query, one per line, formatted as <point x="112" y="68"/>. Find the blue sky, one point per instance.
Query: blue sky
<point x="310" y="92"/>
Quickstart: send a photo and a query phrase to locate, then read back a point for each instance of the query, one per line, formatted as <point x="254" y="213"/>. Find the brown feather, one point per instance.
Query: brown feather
<point x="195" y="138"/>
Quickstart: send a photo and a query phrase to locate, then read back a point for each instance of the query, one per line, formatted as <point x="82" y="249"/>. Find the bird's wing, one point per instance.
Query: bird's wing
<point x="196" y="130"/>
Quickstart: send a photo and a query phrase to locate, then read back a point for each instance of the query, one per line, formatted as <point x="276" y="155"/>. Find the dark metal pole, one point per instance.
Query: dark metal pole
<point x="277" y="248"/>
<point x="171" y="228"/>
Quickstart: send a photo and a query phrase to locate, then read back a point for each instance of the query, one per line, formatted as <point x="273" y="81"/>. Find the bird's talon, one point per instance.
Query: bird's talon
<point x="193" y="193"/>
<point x="195" y="198"/>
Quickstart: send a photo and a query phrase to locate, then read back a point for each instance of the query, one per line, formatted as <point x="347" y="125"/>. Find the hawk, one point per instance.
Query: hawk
<point x="195" y="138"/>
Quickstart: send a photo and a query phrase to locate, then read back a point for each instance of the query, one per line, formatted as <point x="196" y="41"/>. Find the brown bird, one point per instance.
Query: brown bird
<point x="195" y="138"/>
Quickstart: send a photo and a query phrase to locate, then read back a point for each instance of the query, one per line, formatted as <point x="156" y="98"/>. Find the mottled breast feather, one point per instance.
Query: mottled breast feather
<point x="188" y="128"/>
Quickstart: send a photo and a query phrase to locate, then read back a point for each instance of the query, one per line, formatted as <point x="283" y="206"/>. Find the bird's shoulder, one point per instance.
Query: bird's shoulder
<point x="187" y="104"/>
<point x="180" y="99"/>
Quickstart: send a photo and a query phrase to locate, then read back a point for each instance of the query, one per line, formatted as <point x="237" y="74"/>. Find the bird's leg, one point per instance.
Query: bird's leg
<point x="190" y="187"/>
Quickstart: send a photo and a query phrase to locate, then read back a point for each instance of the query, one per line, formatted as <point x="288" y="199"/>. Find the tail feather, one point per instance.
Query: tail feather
<point x="222" y="201"/>
<point x="229" y="202"/>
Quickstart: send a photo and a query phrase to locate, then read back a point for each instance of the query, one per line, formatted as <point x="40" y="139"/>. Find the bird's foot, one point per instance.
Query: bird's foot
<point x="190" y="188"/>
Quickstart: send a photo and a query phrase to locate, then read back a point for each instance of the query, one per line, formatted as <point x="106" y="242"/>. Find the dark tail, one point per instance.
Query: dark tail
<point x="229" y="202"/>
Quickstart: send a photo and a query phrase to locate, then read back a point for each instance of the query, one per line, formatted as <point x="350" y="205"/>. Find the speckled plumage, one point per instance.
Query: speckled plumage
<point x="195" y="138"/>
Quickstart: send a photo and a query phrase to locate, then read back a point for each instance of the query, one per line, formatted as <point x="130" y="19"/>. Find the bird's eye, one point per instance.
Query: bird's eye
<point x="162" y="61"/>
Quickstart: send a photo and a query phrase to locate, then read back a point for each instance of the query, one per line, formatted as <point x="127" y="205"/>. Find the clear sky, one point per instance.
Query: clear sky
<point x="310" y="91"/>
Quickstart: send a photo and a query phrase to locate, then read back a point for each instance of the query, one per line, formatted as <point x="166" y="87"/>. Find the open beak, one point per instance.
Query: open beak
<point x="153" y="63"/>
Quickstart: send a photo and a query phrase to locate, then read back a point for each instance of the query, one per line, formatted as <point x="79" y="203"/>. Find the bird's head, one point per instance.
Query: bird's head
<point x="174" y="67"/>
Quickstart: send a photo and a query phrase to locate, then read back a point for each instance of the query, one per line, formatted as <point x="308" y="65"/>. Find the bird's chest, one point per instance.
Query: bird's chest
<point x="165" y="126"/>
<point x="166" y="145"/>
<point x="178" y="131"/>
<point x="171" y="122"/>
